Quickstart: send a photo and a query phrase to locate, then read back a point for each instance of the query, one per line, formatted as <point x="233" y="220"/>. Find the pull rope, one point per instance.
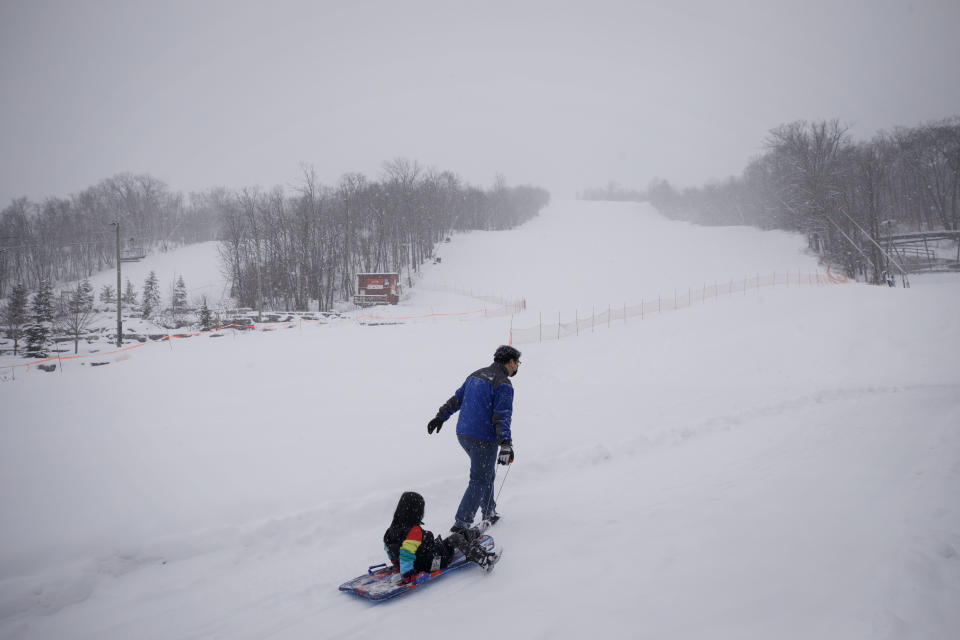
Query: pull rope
<point x="497" y="499"/>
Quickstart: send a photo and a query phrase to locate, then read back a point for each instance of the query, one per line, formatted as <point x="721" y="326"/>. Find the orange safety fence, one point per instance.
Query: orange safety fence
<point x="678" y="300"/>
<point x="60" y="358"/>
<point x="835" y="279"/>
<point x="538" y="333"/>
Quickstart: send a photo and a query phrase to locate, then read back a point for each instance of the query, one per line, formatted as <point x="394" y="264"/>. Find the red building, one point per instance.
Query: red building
<point x="377" y="288"/>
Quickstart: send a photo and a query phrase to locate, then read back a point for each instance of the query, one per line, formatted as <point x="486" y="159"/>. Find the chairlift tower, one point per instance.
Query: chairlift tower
<point x="119" y="317"/>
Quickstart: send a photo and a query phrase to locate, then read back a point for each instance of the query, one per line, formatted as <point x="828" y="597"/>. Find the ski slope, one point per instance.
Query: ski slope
<point x="783" y="463"/>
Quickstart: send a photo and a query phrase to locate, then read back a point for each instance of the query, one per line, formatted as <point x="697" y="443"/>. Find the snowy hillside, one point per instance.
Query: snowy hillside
<point x="198" y="265"/>
<point x="782" y="463"/>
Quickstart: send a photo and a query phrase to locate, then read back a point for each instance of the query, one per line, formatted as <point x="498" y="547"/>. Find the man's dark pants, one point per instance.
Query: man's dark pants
<point x="483" y="471"/>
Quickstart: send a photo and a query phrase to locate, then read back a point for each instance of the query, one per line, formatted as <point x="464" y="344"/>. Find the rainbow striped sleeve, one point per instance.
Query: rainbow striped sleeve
<point x="408" y="550"/>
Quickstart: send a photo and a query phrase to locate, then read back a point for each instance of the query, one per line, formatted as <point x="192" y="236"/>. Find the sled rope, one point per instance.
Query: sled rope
<point x="497" y="498"/>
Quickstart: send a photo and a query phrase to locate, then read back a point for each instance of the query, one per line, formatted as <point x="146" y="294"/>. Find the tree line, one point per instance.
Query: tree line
<point x="285" y="250"/>
<point x="278" y="251"/>
<point x="68" y="239"/>
<point x="843" y="194"/>
<point x="302" y="250"/>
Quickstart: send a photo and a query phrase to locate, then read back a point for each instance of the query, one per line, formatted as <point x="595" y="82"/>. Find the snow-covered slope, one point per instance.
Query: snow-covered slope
<point x="580" y="255"/>
<point x="780" y="464"/>
<point x="198" y="265"/>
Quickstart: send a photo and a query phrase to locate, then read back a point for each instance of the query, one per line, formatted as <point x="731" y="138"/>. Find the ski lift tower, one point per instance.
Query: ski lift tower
<point x="119" y="304"/>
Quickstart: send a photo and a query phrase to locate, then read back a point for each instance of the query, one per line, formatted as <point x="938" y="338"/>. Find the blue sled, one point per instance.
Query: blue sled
<point x="375" y="585"/>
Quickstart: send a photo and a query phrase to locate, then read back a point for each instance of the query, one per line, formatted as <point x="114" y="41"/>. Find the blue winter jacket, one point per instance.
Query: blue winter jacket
<point x="485" y="402"/>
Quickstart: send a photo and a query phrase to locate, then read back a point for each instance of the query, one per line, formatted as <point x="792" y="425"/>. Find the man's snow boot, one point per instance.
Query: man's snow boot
<point x="486" y="559"/>
<point x="470" y="534"/>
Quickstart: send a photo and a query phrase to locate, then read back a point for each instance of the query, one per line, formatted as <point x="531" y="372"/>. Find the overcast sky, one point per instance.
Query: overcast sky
<point x="558" y="93"/>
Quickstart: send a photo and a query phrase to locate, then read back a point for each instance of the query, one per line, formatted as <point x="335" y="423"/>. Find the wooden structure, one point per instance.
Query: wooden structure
<point x="377" y="288"/>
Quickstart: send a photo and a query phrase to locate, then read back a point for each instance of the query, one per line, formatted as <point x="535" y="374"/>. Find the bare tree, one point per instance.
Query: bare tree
<point x="74" y="315"/>
<point x="310" y="246"/>
<point x="845" y="196"/>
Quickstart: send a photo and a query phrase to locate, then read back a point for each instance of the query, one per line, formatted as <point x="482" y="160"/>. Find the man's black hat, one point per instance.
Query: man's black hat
<point x="505" y="353"/>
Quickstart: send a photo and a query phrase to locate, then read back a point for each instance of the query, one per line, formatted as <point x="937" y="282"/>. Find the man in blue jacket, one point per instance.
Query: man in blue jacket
<point x="485" y="403"/>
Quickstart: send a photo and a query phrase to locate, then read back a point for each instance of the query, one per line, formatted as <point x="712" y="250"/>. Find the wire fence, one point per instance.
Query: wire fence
<point x="606" y="317"/>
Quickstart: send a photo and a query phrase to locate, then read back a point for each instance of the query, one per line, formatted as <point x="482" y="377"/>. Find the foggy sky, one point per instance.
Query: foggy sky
<point x="564" y="95"/>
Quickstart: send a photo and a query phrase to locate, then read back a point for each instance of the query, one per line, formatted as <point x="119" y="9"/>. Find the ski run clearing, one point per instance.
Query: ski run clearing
<point x="778" y="463"/>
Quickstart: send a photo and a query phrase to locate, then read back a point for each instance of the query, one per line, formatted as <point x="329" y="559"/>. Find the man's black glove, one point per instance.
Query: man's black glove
<point x="506" y="454"/>
<point x="434" y="425"/>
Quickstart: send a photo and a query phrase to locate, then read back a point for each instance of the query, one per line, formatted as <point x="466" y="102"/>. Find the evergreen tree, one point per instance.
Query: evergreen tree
<point x="85" y="293"/>
<point x="15" y="314"/>
<point x="37" y="332"/>
<point x="178" y="301"/>
<point x="129" y="294"/>
<point x="204" y="316"/>
<point x="108" y="295"/>
<point x="151" y="295"/>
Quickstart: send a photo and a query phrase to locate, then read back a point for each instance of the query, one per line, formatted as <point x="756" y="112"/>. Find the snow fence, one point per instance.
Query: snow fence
<point x="611" y="314"/>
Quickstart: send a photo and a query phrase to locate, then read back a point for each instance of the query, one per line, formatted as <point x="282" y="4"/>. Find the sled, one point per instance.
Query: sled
<point x="376" y="585"/>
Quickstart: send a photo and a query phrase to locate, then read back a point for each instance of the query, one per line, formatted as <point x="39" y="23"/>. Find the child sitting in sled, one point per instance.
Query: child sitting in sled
<point x="412" y="548"/>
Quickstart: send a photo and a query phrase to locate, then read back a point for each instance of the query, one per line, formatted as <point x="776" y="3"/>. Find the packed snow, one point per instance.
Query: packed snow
<point x="780" y="463"/>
